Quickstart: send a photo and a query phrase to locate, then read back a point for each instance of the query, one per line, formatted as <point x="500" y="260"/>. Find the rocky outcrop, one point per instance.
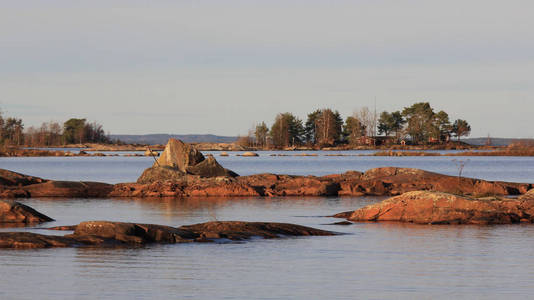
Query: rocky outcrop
<point x="170" y="182"/>
<point x="188" y="186"/>
<point x="179" y="160"/>
<point x="16" y="185"/>
<point x="14" y="212"/>
<point x="109" y="234"/>
<point x="28" y="240"/>
<point x="423" y="207"/>
<point x="396" y="181"/>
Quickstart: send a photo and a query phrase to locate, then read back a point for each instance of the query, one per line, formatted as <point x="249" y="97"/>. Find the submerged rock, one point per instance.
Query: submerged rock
<point x="15" y="212"/>
<point x="425" y="207"/>
<point x="106" y="234"/>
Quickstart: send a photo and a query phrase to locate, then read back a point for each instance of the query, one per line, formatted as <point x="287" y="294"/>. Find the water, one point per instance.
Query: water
<point x="374" y="260"/>
<point x="127" y="169"/>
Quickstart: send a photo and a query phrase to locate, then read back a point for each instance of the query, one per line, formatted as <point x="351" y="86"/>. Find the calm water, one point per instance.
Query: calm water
<point x="374" y="260"/>
<point x="127" y="169"/>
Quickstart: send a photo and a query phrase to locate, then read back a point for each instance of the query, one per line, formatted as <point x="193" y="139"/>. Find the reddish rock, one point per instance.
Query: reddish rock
<point x="395" y="181"/>
<point x="380" y="181"/>
<point x="14" y="212"/>
<point x="69" y="189"/>
<point x="425" y="207"/>
<point x="15" y="185"/>
<point x="236" y="230"/>
<point x="108" y="234"/>
<point x="28" y="240"/>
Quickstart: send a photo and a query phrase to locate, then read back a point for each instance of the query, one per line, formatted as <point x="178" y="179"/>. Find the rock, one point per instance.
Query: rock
<point x="28" y="240"/>
<point x="10" y="178"/>
<point x="164" y="173"/>
<point x="179" y="155"/>
<point x="69" y="189"/>
<point x="423" y="207"/>
<point x="250" y="154"/>
<point x="110" y="234"/>
<point x="15" y="185"/>
<point x="236" y="230"/>
<point x="224" y="154"/>
<point x="208" y="178"/>
<point x="132" y="233"/>
<point x="15" y="212"/>
<point x="179" y="160"/>
<point x="395" y="181"/>
<point x="210" y="168"/>
<point x="528" y="195"/>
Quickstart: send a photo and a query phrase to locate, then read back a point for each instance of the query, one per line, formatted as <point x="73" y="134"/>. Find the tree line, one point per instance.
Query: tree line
<point x="416" y="124"/>
<point x="73" y="131"/>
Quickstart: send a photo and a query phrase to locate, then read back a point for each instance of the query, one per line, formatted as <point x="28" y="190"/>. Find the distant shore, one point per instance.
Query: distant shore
<point x="394" y="150"/>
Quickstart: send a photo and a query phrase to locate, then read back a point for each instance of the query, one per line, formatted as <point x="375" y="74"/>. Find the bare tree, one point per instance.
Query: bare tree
<point x="367" y="119"/>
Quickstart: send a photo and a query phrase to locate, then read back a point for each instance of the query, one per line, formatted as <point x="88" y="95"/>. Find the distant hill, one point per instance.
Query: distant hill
<point x="494" y="141"/>
<point x="153" y="139"/>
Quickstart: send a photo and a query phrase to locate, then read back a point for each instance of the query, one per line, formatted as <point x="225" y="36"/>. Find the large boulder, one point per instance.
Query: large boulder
<point x="528" y="195"/>
<point x="179" y="155"/>
<point x="14" y="212"/>
<point x="179" y="160"/>
<point x="424" y="207"/>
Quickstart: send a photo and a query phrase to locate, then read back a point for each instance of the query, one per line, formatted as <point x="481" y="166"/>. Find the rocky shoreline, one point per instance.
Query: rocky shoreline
<point x="388" y="181"/>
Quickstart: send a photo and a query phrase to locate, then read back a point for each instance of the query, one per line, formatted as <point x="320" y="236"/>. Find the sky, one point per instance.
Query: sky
<point x="219" y="67"/>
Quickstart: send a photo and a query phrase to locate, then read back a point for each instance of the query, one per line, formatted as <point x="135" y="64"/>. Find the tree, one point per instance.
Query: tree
<point x="367" y="119"/>
<point x="74" y="131"/>
<point x="398" y="123"/>
<point x="310" y="129"/>
<point x="261" y="134"/>
<point x="442" y="126"/>
<point x="385" y="123"/>
<point x="461" y="128"/>
<point x="390" y="122"/>
<point x="419" y="119"/>
<point x="328" y="127"/>
<point x="11" y="132"/>
<point x="353" y="130"/>
<point x="287" y="130"/>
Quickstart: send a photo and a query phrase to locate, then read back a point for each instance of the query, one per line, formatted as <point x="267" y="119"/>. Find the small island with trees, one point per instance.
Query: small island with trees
<point x="418" y="124"/>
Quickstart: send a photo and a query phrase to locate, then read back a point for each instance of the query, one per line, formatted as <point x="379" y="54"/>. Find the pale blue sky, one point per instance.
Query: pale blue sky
<point x="220" y="66"/>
